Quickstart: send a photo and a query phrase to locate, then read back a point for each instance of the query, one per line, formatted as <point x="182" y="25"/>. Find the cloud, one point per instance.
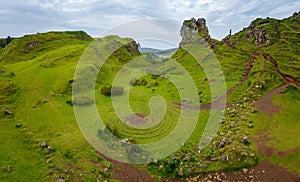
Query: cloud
<point x="97" y="16"/>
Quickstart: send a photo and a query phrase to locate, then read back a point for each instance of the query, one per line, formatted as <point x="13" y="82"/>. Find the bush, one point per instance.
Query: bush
<point x="139" y="82"/>
<point x="81" y="100"/>
<point x="109" y="90"/>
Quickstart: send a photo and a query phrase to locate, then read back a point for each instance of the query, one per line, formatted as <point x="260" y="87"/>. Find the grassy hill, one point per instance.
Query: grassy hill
<point x="37" y="77"/>
<point x="254" y="61"/>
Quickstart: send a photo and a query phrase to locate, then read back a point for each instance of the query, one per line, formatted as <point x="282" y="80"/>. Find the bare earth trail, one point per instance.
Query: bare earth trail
<point x="263" y="171"/>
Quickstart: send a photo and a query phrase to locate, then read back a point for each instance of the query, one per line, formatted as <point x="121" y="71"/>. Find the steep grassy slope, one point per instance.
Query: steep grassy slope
<point x="35" y="71"/>
<point x="255" y="60"/>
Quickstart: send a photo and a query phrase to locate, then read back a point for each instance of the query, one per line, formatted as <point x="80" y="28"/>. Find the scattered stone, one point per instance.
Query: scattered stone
<point x="160" y="167"/>
<point x="125" y="141"/>
<point x="60" y="180"/>
<point x="214" y="159"/>
<point x="244" y="140"/>
<point x="180" y="172"/>
<point x="225" y="157"/>
<point x="219" y="178"/>
<point x="19" y="125"/>
<point x="49" y="161"/>
<point x="7" y="111"/>
<point x="9" y="168"/>
<point x="221" y="143"/>
<point x="245" y="171"/>
<point x="209" y="176"/>
<point x="50" y="148"/>
<point x="43" y="144"/>
<point x="244" y="154"/>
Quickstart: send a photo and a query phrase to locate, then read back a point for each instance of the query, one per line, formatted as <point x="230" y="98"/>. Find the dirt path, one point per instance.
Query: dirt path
<point x="265" y="105"/>
<point x="217" y="104"/>
<point x="128" y="173"/>
<point x="288" y="78"/>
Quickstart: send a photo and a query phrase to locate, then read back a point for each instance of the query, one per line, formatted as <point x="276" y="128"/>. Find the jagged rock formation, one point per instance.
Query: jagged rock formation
<point x="133" y="47"/>
<point x="195" y="31"/>
<point x="261" y="36"/>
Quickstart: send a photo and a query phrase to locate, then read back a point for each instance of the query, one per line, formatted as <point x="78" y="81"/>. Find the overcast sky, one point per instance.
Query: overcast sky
<point x="19" y="17"/>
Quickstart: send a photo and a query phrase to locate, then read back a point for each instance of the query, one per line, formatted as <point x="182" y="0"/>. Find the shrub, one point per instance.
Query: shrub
<point x="139" y="82"/>
<point x="109" y="90"/>
<point x="81" y="100"/>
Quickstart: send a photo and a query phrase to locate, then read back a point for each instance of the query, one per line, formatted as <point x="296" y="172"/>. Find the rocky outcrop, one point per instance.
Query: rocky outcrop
<point x="261" y="37"/>
<point x="195" y="31"/>
<point x="133" y="48"/>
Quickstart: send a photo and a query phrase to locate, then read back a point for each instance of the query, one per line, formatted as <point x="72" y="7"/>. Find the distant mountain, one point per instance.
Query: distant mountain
<point x="157" y="52"/>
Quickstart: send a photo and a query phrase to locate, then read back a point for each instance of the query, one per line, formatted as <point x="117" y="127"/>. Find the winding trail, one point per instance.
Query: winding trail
<point x="265" y="105"/>
<point x="218" y="102"/>
<point x="288" y="78"/>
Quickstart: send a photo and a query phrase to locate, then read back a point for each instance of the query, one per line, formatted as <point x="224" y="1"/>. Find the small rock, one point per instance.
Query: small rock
<point x="161" y="167"/>
<point x="60" y="180"/>
<point x="219" y="178"/>
<point x="50" y="148"/>
<point x="19" y="125"/>
<point x="221" y="143"/>
<point x="214" y="159"/>
<point x="180" y="172"/>
<point x="7" y="111"/>
<point x="244" y="140"/>
<point x="209" y="176"/>
<point x="225" y="157"/>
<point x="9" y="168"/>
<point x="245" y="171"/>
<point x="49" y="161"/>
<point x="43" y="144"/>
<point x="244" y="154"/>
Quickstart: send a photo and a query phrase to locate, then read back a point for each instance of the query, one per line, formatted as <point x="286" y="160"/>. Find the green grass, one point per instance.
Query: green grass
<point x="283" y="130"/>
<point x="36" y="94"/>
<point x="34" y="75"/>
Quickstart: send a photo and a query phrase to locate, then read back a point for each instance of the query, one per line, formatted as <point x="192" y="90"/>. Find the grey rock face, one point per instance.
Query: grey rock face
<point x="195" y="31"/>
<point x="261" y="36"/>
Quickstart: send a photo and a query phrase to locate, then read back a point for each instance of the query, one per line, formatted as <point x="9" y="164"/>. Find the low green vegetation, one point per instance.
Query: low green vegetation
<point x="40" y="138"/>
